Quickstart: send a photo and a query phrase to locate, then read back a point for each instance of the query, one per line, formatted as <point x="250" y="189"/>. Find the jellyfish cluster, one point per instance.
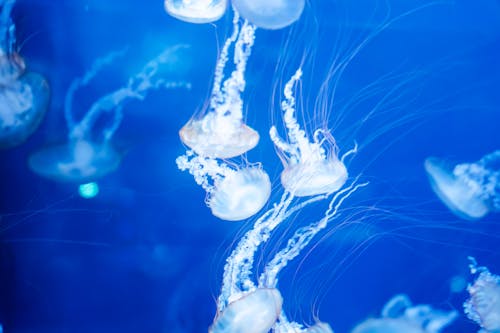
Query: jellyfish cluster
<point x="217" y="141"/>
<point x="24" y="95"/>
<point x="234" y="191"/>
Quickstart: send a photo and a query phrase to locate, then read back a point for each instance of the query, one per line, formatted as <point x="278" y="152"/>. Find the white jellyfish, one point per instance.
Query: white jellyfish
<point x="196" y="11"/>
<point x="310" y="168"/>
<point x="270" y="14"/>
<point x="255" y="312"/>
<point x="89" y="154"/>
<point x="400" y="316"/>
<point x="483" y="306"/>
<point x="24" y="96"/>
<point x="220" y="132"/>
<point x="233" y="193"/>
<point x="469" y="190"/>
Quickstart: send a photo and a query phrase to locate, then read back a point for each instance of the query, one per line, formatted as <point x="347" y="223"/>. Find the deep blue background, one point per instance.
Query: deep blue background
<point x="146" y="255"/>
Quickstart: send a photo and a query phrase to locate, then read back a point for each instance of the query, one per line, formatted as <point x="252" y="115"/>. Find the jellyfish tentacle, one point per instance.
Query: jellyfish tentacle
<point x="80" y="82"/>
<point x="137" y="88"/>
<point x="350" y="152"/>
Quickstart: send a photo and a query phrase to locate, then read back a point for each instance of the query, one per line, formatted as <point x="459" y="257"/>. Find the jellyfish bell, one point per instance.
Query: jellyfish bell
<point x="255" y="312"/>
<point x="270" y="14"/>
<point x="460" y="196"/>
<point x="76" y="161"/>
<point x="196" y="11"/>
<point x="319" y="177"/>
<point x="23" y="104"/>
<point x="216" y="137"/>
<point x="240" y="195"/>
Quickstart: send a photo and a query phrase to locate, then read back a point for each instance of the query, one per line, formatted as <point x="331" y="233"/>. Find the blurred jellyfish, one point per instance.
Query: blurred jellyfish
<point x="196" y="11"/>
<point x="234" y="191"/>
<point x="483" y="306"/>
<point x="470" y="190"/>
<point x="400" y="316"/>
<point x="89" y="154"/>
<point x="238" y="280"/>
<point x="24" y="95"/>
<point x="270" y="14"/>
<point x="221" y="132"/>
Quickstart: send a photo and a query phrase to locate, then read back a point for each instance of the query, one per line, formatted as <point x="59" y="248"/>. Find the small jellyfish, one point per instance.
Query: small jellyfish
<point x="255" y="312"/>
<point x="233" y="193"/>
<point x="88" y="153"/>
<point x="196" y="11"/>
<point x="270" y="14"/>
<point x="469" y="190"/>
<point x="483" y="306"/>
<point x="309" y="168"/>
<point x="24" y="96"/>
<point x="221" y="132"/>
<point x="400" y="316"/>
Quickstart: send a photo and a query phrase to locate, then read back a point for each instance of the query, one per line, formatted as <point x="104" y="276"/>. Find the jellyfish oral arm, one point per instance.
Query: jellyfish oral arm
<point x="303" y="237"/>
<point x="7" y="29"/>
<point x="206" y="171"/>
<point x="136" y="88"/>
<point x="78" y="83"/>
<point x="196" y="11"/>
<point x="300" y="149"/>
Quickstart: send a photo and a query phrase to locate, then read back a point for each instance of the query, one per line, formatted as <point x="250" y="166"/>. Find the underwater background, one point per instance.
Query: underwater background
<point x="146" y="254"/>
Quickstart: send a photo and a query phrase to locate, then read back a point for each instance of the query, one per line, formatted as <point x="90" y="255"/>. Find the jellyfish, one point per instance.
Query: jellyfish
<point x="238" y="278"/>
<point x="233" y="193"/>
<point x="88" y="153"/>
<point x="221" y="132"/>
<point x="400" y="316"/>
<point x="196" y="11"/>
<point x="469" y="190"/>
<point x="270" y="14"/>
<point x="483" y="306"/>
<point x="24" y="95"/>
<point x="308" y="168"/>
<point x="255" y="312"/>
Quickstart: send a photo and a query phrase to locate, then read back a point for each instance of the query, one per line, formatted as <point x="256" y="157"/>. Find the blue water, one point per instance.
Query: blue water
<point x="146" y="255"/>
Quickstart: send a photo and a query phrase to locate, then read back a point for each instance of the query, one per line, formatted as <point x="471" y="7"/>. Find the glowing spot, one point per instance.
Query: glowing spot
<point x="88" y="190"/>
